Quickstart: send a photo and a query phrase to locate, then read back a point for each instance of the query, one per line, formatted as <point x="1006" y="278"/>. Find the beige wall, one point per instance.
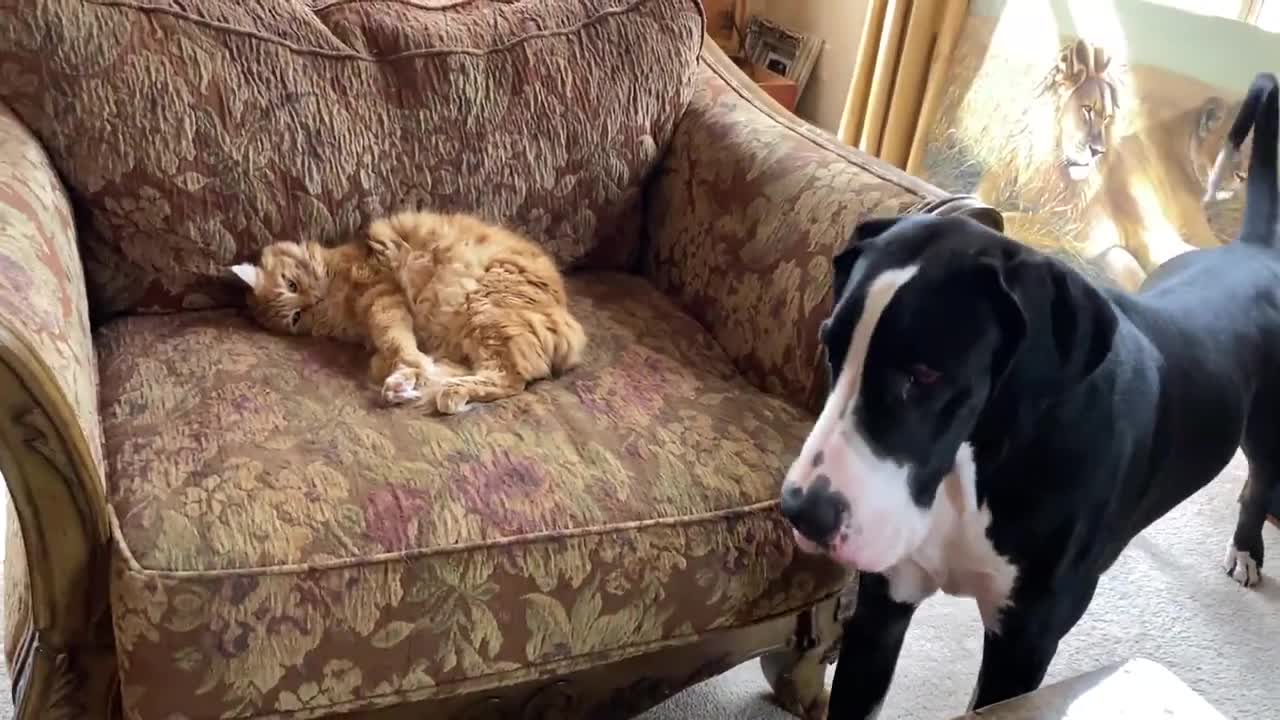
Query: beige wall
<point x="839" y="24"/>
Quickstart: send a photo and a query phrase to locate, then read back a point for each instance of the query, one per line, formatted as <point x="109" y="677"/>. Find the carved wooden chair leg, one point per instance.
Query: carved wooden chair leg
<point x="797" y="674"/>
<point x="798" y="681"/>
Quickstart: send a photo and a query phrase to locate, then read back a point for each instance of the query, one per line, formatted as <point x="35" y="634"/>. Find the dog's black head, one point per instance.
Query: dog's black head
<point x="936" y="321"/>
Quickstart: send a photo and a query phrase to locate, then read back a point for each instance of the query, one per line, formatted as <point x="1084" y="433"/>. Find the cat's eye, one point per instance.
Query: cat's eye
<point x="1240" y="177"/>
<point x="293" y="286"/>
<point x="294" y="318"/>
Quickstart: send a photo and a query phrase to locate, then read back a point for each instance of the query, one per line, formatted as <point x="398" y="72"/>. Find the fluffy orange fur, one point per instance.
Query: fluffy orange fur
<point x="455" y="309"/>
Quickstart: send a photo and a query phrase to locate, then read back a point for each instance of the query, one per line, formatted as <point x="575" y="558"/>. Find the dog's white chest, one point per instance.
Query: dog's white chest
<point x="956" y="556"/>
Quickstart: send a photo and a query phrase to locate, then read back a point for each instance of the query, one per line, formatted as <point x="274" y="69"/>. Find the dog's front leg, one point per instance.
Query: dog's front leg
<point x="1016" y="653"/>
<point x="869" y="651"/>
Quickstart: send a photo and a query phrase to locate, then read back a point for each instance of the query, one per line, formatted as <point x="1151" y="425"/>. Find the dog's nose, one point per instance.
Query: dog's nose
<point x="815" y="512"/>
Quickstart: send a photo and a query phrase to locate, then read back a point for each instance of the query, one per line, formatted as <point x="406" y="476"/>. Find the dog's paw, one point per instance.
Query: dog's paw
<point x="401" y="387"/>
<point x="1241" y="567"/>
<point x="452" y="400"/>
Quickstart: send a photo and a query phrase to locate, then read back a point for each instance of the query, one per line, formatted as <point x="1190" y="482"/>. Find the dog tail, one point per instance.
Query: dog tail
<point x="1260" y="113"/>
<point x="1262" y="197"/>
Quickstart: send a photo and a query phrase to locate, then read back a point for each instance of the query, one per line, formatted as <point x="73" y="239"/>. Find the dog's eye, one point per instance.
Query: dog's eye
<point x="917" y="376"/>
<point x="922" y="374"/>
<point x="294" y="317"/>
<point x="293" y="286"/>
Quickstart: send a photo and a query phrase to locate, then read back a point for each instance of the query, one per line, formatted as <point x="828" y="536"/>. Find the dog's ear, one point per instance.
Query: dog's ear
<point x="988" y="281"/>
<point x="1084" y="323"/>
<point x="1073" y="322"/>
<point x="843" y="262"/>
<point x="872" y="228"/>
<point x="842" y="266"/>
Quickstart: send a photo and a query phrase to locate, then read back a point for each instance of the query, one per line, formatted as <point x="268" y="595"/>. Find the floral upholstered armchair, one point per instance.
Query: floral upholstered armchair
<point x="209" y="521"/>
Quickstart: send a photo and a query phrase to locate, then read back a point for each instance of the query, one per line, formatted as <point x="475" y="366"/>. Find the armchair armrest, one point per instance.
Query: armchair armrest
<point x="50" y="439"/>
<point x="745" y="214"/>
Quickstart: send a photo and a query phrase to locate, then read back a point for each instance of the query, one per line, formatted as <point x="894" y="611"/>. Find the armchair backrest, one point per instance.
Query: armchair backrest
<point x="192" y="134"/>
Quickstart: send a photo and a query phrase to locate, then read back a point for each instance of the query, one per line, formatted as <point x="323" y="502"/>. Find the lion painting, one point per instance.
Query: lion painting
<point x="1053" y="161"/>
<point x="1114" y="192"/>
<point x="1207" y="141"/>
<point x="1225" y="209"/>
<point x="1073" y="182"/>
<point x="1152" y="204"/>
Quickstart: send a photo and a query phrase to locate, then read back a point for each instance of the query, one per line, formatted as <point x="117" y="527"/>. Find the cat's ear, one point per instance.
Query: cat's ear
<point x="249" y="274"/>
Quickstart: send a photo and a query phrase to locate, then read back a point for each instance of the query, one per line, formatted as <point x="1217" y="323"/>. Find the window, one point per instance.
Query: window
<point x="1262" y="13"/>
<point x="1266" y="14"/>
<point x="1238" y="9"/>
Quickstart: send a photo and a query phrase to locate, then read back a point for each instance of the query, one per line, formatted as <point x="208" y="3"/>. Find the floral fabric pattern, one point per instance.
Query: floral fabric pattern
<point x="43" y="308"/>
<point x="296" y="549"/>
<point x="748" y="209"/>
<point x="283" y="545"/>
<point x="234" y="124"/>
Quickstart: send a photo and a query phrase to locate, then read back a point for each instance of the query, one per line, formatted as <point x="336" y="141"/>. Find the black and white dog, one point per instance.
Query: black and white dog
<point x="1000" y="428"/>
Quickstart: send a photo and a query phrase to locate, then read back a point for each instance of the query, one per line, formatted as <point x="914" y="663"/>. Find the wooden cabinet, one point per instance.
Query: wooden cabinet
<point x="726" y="20"/>
<point x="777" y="87"/>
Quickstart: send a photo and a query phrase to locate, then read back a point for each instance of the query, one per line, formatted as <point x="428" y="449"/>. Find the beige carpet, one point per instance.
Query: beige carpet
<point x="1165" y="600"/>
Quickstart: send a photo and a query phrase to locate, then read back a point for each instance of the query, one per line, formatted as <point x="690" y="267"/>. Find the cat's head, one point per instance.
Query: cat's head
<point x="285" y="287"/>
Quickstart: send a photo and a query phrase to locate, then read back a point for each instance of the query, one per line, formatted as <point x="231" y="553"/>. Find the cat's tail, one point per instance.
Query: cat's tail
<point x="568" y="340"/>
<point x="549" y="343"/>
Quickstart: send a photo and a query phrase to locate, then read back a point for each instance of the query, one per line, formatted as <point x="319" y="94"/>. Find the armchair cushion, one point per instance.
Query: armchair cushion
<point x="286" y="544"/>
<point x="233" y="124"/>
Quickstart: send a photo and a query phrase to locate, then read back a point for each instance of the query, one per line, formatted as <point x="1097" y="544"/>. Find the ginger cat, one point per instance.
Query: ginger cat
<point x="455" y="309"/>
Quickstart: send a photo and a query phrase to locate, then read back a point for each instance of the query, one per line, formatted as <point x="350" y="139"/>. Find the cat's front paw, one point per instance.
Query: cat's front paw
<point x="452" y="400"/>
<point x="385" y="246"/>
<point x="401" y="387"/>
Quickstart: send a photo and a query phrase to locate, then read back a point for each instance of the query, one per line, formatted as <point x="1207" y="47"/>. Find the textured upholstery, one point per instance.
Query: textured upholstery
<point x="233" y="124"/>
<point x="747" y="210"/>
<point x="43" y="308"/>
<point x="281" y="544"/>
<point x="276" y="520"/>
